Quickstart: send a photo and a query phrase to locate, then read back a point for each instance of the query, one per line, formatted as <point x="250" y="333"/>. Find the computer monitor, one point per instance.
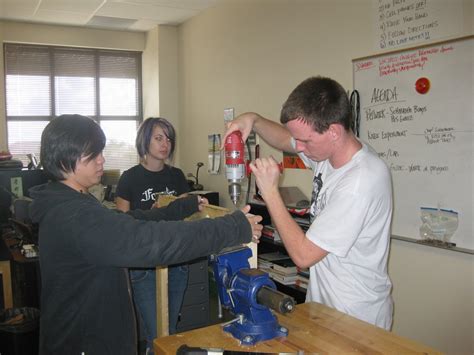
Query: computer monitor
<point x="16" y="184"/>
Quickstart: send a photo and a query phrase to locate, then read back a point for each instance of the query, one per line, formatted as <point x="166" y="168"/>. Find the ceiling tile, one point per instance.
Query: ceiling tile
<point x="110" y="22"/>
<point x="81" y="6"/>
<point x="20" y="9"/>
<point x="143" y="25"/>
<point x="181" y="4"/>
<point x="16" y="13"/>
<point x="163" y="15"/>
<point x="61" y="17"/>
<point x="23" y="3"/>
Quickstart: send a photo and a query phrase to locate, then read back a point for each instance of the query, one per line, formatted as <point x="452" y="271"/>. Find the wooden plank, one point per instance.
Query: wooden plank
<point x="162" y="311"/>
<point x="5" y="271"/>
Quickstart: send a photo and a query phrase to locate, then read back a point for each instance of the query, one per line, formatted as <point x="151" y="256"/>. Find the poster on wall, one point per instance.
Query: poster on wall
<point x="214" y="153"/>
<point x="292" y="161"/>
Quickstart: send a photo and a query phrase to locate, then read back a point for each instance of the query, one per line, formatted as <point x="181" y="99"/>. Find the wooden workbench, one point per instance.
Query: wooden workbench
<point x="313" y="328"/>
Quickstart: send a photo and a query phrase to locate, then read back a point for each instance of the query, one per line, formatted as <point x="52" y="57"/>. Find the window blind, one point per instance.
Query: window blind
<point x="42" y="82"/>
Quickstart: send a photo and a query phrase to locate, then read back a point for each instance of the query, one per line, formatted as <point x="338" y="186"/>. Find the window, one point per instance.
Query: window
<point x="43" y="82"/>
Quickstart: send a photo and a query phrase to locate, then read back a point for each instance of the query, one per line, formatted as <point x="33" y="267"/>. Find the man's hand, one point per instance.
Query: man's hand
<point x="202" y="202"/>
<point x="254" y="223"/>
<point x="156" y="204"/>
<point x="267" y="175"/>
<point x="243" y="123"/>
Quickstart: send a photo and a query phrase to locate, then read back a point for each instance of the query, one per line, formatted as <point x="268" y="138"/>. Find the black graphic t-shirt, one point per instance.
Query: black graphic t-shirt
<point x="141" y="186"/>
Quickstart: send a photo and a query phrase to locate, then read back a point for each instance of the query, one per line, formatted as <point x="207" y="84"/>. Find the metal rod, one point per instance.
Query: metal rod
<point x="275" y="300"/>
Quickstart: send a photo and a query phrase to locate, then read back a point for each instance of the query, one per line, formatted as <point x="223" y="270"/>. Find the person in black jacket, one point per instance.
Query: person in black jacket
<point x="85" y="248"/>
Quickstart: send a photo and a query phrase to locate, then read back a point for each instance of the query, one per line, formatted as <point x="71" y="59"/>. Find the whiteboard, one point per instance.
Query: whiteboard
<point x="425" y="138"/>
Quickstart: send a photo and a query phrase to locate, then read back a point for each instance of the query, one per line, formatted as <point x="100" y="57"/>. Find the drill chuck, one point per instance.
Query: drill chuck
<point x="234" y="192"/>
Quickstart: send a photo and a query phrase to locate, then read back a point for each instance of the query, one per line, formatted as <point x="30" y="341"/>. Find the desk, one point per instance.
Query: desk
<point x="20" y="275"/>
<point x="15" y="252"/>
<point x="313" y="328"/>
<point x="5" y="273"/>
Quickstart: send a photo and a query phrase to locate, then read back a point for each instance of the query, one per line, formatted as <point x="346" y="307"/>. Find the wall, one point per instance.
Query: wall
<point x="160" y="77"/>
<point x="168" y="73"/>
<point x="3" y="128"/>
<point x="249" y="55"/>
<point x="150" y="76"/>
<point x="433" y="290"/>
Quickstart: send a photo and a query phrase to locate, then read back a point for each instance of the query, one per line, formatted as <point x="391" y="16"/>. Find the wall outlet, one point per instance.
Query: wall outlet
<point x="228" y="114"/>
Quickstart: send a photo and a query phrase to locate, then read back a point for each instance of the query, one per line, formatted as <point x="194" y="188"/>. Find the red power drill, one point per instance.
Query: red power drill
<point x="235" y="166"/>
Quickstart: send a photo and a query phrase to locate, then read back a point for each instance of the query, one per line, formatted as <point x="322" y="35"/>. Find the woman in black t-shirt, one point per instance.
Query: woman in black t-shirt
<point x="139" y="188"/>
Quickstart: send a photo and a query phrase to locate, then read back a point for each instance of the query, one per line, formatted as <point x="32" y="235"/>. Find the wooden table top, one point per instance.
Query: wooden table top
<point x="313" y="328"/>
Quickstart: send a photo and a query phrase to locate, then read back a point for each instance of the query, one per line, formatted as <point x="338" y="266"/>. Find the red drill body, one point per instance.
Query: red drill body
<point x="235" y="166"/>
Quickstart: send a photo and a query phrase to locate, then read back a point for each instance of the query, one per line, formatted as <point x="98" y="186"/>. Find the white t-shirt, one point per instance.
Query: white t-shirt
<point x="351" y="220"/>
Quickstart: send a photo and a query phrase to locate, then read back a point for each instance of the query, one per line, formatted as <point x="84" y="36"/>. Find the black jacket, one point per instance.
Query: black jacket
<point x="84" y="250"/>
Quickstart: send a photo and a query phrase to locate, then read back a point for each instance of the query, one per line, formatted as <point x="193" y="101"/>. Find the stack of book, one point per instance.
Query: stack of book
<point x="266" y="260"/>
<point x="271" y="233"/>
<point x="302" y="278"/>
<point x="284" y="271"/>
<point x="279" y="266"/>
<point x="303" y="222"/>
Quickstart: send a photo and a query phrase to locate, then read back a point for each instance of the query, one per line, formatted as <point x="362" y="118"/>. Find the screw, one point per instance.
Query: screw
<point x="247" y="339"/>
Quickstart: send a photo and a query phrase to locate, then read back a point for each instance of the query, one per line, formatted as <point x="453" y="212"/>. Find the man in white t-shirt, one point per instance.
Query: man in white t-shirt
<point x="347" y="244"/>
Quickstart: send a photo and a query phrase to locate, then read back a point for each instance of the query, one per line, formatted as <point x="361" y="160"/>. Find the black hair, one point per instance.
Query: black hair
<point x="319" y="102"/>
<point x="145" y="132"/>
<point x="65" y="140"/>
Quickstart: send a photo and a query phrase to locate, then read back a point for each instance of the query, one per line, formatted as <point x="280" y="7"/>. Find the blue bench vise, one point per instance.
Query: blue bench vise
<point x="251" y="296"/>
